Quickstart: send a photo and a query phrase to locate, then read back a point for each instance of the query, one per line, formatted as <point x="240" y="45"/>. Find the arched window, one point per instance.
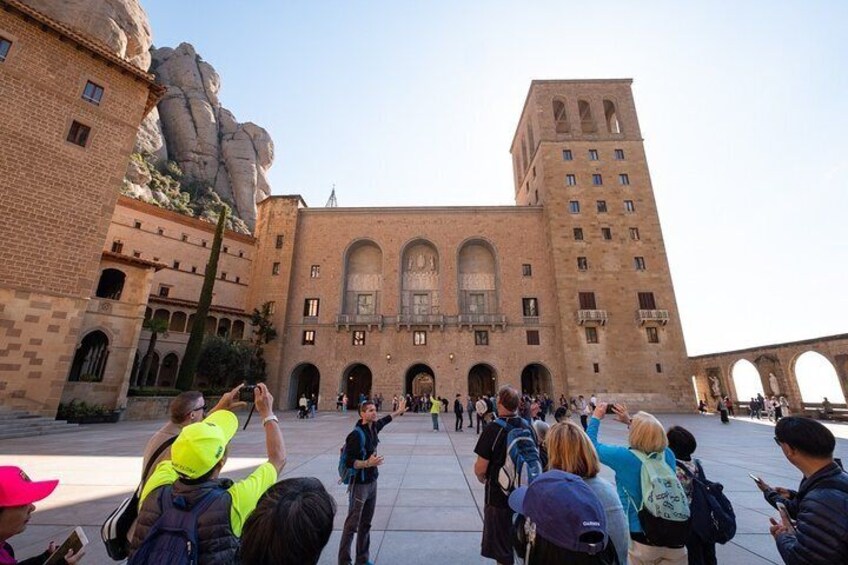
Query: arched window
<point x="611" y="117"/>
<point x="238" y="330"/>
<point x="162" y="314"/>
<point x="224" y="327"/>
<point x="587" y="122"/>
<point x="178" y="322"/>
<point x="111" y="284"/>
<point x="168" y="372"/>
<point x="90" y="358"/>
<point x="817" y="379"/>
<point x="530" y="139"/>
<point x="363" y="280"/>
<point x="560" y="117"/>
<point x="420" y="281"/>
<point x="190" y="323"/>
<point x="211" y="325"/>
<point x="477" y="276"/>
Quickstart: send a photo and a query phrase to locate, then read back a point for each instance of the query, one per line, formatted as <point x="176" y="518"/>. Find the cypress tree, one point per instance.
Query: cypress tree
<point x="185" y="379"/>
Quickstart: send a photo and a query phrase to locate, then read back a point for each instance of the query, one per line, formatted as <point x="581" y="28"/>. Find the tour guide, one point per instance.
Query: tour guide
<point x="362" y="490"/>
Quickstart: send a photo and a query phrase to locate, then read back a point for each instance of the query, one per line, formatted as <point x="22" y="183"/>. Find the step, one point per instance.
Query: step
<point x="32" y="433"/>
<point x="33" y="423"/>
<point x="17" y="416"/>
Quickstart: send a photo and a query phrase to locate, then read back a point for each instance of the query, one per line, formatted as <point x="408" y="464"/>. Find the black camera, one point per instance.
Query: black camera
<point x="246" y="393"/>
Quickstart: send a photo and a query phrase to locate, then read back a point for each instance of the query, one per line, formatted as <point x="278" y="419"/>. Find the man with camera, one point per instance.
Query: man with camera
<point x="190" y="481"/>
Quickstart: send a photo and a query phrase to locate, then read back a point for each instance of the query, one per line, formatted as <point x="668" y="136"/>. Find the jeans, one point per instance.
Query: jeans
<point x="435" y="418"/>
<point x="458" y="425"/>
<point x="362" y="498"/>
<point x="471" y="419"/>
<point x="480" y="423"/>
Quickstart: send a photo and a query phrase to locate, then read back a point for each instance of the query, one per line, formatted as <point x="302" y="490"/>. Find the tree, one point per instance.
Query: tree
<point x="263" y="333"/>
<point x="185" y="379"/>
<point x="156" y="326"/>
<point x="223" y="362"/>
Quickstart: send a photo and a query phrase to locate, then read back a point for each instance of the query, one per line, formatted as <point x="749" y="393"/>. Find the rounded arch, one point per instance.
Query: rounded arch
<point x="477" y="276"/>
<point x="419" y="281"/>
<point x="746" y="380"/>
<point x="224" y="327"/>
<point x="162" y="314"/>
<point x="90" y="358"/>
<point x="211" y="325"/>
<point x="168" y="371"/>
<point x="482" y="380"/>
<point x="111" y="284"/>
<point x="558" y="106"/>
<point x="536" y="379"/>
<point x="419" y="380"/>
<point x="362" y="284"/>
<point x="238" y="329"/>
<point x="178" y="322"/>
<point x="816" y="378"/>
<point x="611" y="117"/>
<point x="587" y="121"/>
<point x="305" y="379"/>
<point x="356" y="383"/>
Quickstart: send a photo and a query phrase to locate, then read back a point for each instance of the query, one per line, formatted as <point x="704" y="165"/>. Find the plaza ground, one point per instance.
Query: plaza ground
<point x="429" y="503"/>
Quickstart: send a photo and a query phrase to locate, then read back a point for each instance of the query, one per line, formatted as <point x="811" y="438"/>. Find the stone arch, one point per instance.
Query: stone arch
<point x="419" y="281"/>
<point x="536" y="379"/>
<point x="238" y="329"/>
<point x="211" y="325"/>
<point x="178" y="322"/>
<point x="362" y="284"/>
<point x="419" y="380"/>
<point x="560" y="115"/>
<point x="305" y="379"/>
<point x="90" y="358"/>
<point x="587" y="121"/>
<point x="477" y="272"/>
<point x="356" y="380"/>
<point x="224" y="326"/>
<point x="746" y="380"/>
<point x="111" y="284"/>
<point x="167" y="376"/>
<point x="482" y="380"/>
<point x="162" y="314"/>
<point x="611" y="117"/>
<point x="816" y="378"/>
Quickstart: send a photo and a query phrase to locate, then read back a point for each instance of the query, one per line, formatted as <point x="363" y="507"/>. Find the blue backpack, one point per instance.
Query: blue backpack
<point x="347" y="474"/>
<point x="173" y="537"/>
<point x="523" y="462"/>
<point x="713" y="519"/>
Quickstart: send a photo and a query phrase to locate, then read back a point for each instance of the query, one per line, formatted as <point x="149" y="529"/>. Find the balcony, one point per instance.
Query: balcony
<point x="491" y="320"/>
<point x="369" y="320"/>
<point x="652" y="316"/>
<point x="429" y="320"/>
<point x="592" y="317"/>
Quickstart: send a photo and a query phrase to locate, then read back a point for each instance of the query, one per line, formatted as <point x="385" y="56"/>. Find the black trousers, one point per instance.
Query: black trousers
<point x="584" y="421"/>
<point x="471" y="419"/>
<point x="459" y="420"/>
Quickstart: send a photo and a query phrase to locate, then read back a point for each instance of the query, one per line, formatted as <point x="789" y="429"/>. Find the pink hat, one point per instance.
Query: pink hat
<point x="16" y="489"/>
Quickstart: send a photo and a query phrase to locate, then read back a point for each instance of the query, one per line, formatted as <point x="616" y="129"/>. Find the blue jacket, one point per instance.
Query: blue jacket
<point x="820" y="511"/>
<point x="628" y="472"/>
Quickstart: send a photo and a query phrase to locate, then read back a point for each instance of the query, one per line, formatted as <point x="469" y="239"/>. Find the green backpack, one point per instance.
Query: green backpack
<point x="664" y="511"/>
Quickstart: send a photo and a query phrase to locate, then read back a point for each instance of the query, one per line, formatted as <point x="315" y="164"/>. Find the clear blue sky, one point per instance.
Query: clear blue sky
<point x="742" y="106"/>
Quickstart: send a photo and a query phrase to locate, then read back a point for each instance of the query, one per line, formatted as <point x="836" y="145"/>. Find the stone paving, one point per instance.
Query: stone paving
<point x="429" y="505"/>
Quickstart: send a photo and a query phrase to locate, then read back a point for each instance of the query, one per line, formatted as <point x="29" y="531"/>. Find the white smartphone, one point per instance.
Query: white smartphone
<point x="76" y="541"/>
<point x="755" y="478"/>
<point x="784" y="514"/>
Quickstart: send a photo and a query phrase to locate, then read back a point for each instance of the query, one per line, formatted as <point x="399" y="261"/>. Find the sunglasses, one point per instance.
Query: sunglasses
<point x="200" y="408"/>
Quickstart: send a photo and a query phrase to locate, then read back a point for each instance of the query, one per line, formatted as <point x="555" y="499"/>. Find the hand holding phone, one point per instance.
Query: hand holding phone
<point x="76" y="541"/>
<point x="784" y="517"/>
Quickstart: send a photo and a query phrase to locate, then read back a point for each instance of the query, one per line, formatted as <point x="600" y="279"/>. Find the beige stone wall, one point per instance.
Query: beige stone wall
<point x="57" y="199"/>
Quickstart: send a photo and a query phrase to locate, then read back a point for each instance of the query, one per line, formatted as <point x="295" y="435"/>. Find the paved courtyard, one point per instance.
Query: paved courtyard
<point x="429" y="505"/>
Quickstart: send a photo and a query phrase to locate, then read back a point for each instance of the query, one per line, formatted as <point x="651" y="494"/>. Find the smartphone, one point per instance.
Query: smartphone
<point x="610" y="408"/>
<point x="784" y="514"/>
<point x="76" y="541"/>
<point x="755" y="478"/>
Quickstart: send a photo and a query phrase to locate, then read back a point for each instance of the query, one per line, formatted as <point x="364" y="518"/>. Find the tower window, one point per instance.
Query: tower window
<point x="647" y="301"/>
<point x="279" y="242"/>
<point x="527" y="270"/>
<point x="308" y="337"/>
<point x="619" y="154"/>
<point x="659" y="368"/>
<point x="92" y="93"/>
<point x="596" y="367"/>
<point x="176" y="265"/>
<point x="582" y="264"/>
<point x="359" y="337"/>
<point x="419" y="337"/>
<point x="578" y="234"/>
<point x="587" y="300"/>
<point x="117" y="246"/>
<point x="593" y="154"/>
<point x="532" y="337"/>
<point x="624" y="179"/>
<point x="5" y="46"/>
<point x="78" y="134"/>
<point x="653" y="335"/>
<point x="570" y="180"/>
<point x="137" y="225"/>
<point x="606" y="233"/>
<point x="311" y="307"/>
<point x="164" y="291"/>
<point x="597" y="179"/>
<point x="185" y="237"/>
<point x="574" y="207"/>
<point x="629" y="206"/>
<point x="567" y="155"/>
<point x="314" y="271"/>
<point x="481" y="337"/>
<point x="639" y="263"/>
<point x="530" y="307"/>
<point x="591" y="335"/>
<point x="602" y="206"/>
<point x="275" y="269"/>
<point x="634" y="234"/>
<point x="560" y="117"/>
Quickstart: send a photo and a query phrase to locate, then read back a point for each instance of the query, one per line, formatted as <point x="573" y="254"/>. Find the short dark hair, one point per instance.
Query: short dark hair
<point x="681" y="442"/>
<point x="291" y="524"/>
<point x="364" y="406"/>
<point x="508" y="397"/>
<point x="182" y="405"/>
<point x="560" y="413"/>
<point x="806" y="435"/>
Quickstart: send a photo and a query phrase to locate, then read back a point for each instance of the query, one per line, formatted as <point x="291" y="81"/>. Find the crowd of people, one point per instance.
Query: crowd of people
<point x="544" y="502"/>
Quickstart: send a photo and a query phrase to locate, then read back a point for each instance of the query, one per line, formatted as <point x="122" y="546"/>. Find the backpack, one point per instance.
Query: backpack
<point x="347" y="474"/>
<point x="664" y="511"/>
<point x="173" y="537"/>
<point x="713" y="519"/>
<point x="523" y="463"/>
<point x="115" y="530"/>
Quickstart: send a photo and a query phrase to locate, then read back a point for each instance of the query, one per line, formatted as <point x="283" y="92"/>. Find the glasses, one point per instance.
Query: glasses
<point x="200" y="408"/>
<point x="777" y="441"/>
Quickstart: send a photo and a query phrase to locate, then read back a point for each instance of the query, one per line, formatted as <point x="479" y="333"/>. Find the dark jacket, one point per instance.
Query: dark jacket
<point x="820" y="511"/>
<point x="218" y="543"/>
<point x="353" y="449"/>
<point x="457" y="407"/>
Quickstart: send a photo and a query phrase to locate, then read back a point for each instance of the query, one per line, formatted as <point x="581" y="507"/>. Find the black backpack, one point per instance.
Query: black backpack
<point x="713" y="519"/>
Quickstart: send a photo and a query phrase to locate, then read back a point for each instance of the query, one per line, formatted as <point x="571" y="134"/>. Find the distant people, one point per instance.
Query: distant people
<point x="761" y="405"/>
<point x="753" y="408"/>
<point x="647" y="442"/>
<point x="702" y="406"/>
<point x="722" y="410"/>
<point x="17" y="495"/>
<point x="570" y="450"/>
<point x="435" y="408"/>
<point x="682" y="443"/>
<point x="313" y="405"/>
<point x="469" y="408"/>
<point x="339" y="402"/>
<point x="344" y="403"/>
<point x="541" y="428"/>
<point x="819" y="533"/>
<point x="583" y="409"/>
<point x="190" y="481"/>
<point x="303" y="406"/>
<point x="784" y="406"/>
<point x="561" y="414"/>
<point x="827" y="409"/>
<point x="458" y="411"/>
<point x="729" y="404"/>
<point x="291" y="524"/>
<point x="362" y="490"/>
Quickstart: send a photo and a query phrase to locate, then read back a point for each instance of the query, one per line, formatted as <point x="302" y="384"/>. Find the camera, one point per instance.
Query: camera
<point x="610" y="408"/>
<point x="246" y="393"/>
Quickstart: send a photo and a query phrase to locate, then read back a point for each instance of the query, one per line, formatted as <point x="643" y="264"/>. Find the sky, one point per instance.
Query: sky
<point x="415" y="103"/>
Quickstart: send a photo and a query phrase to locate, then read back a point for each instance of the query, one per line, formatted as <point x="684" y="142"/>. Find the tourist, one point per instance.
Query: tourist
<point x="540" y="429"/>
<point x="362" y="490"/>
<point x="191" y="476"/>
<point x="394" y="403"/>
<point x="571" y="450"/>
<point x="761" y="405"/>
<point x="344" y="402"/>
<point x="435" y="408"/>
<point x="827" y="409"/>
<point x="723" y="410"/>
<point x="458" y="411"/>
<point x="567" y="522"/>
<point x="481" y="408"/>
<point x="784" y="406"/>
<point x="17" y="495"/>
<point x="646" y="436"/>
<point x="753" y="409"/>
<point x="818" y="507"/>
<point x="469" y="408"/>
<point x="583" y="409"/>
<point x="491" y="455"/>
<point x="339" y="402"/>
<point x="561" y="414"/>
<point x="729" y="404"/>
<point x="290" y="526"/>
<point x="702" y="406"/>
<point x="682" y="443"/>
<point x="313" y="405"/>
<point x="303" y="406"/>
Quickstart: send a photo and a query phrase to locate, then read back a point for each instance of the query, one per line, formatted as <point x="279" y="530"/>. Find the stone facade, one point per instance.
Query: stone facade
<point x="57" y="196"/>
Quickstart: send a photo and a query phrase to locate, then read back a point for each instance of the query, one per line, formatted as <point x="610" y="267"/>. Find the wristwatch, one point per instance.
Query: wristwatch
<point x="271" y="418"/>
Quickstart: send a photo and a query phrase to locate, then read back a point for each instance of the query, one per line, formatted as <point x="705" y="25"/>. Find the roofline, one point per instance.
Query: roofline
<point x="558" y="81"/>
<point x="772" y="346"/>
<point x="93" y="46"/>
<point x="300" y="199"/>
<point x="510" y="209"/>
<point x="135" y="261"/>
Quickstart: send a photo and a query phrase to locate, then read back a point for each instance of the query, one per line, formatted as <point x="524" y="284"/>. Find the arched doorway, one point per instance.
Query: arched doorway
<point x="536" y="380"/>
<point x="420" y="380"/>
<point x="817" y="379"/>
<point x="305" y="379"/>
<point x="481" y="380"/>
<point x="153" y="372"/>
<point x="168" y="372"/>
<point x="90" y="358"/>
<point x="357" y="381"/>
<point x="746" y="380"/>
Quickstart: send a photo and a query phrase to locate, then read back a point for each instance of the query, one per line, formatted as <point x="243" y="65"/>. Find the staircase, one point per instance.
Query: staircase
<point x="17" y="423"/>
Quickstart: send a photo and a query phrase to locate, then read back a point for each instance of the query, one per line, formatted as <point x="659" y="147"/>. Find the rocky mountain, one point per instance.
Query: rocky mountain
<point x="191" y="152"/>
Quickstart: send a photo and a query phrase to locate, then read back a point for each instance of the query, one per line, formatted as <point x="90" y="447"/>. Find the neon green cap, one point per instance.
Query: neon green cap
<point x="200" y="446"/>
